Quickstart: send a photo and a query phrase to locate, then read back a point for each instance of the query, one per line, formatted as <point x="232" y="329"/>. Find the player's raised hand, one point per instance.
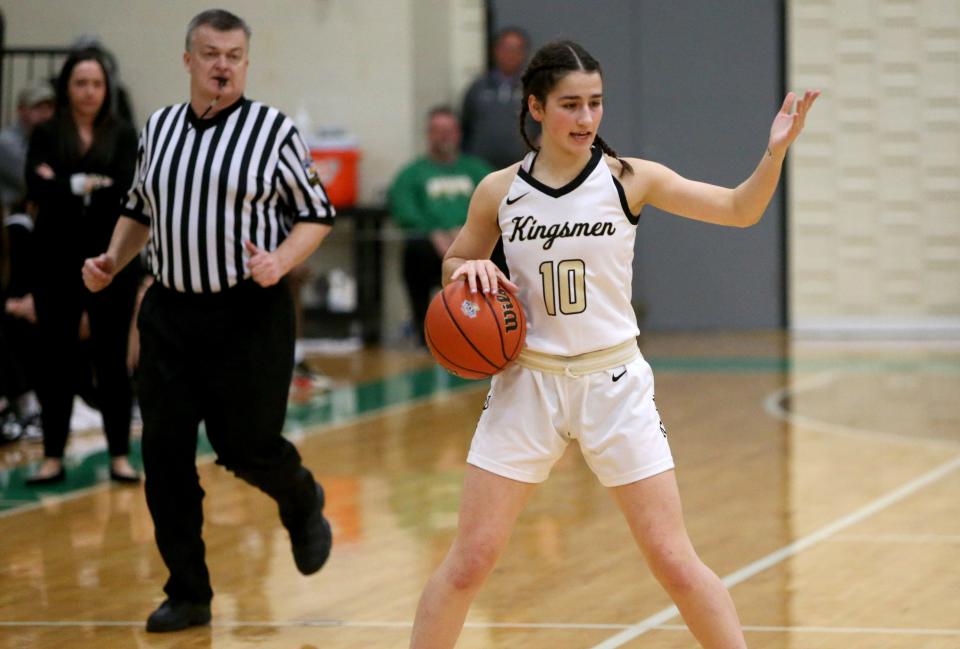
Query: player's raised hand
<point x="264" y="266"/>
<point x="484" y="273"/>
<point x="787" y="125"/>
<point x="98" y="272"/>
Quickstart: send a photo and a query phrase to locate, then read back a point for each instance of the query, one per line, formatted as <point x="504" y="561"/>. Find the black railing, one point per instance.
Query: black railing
<point x="20" y="66"/>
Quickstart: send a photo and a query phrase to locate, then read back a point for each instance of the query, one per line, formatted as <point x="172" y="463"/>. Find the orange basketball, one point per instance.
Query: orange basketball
<point x="474" y="335"/>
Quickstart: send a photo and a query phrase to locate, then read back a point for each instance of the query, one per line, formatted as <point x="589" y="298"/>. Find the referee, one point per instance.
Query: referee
<point x="229" y="201"/>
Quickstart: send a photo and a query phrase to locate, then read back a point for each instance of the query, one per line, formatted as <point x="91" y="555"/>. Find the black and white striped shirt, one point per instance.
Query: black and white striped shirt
<point x="206" y="186"/>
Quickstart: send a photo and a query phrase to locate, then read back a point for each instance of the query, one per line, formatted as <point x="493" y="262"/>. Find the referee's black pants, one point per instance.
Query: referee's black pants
<point x="225" y="359"/>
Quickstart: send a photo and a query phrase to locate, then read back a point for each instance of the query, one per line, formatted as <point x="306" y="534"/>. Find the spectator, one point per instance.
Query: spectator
<point x="78" y="166"/>
<point x="35" y="105"/>
<point x="490" y="106"/>
<point x="429" y="200"/>
<point x="119" y="96"/>
<point x="19" y="408"/>
<point x="20" y="414"/>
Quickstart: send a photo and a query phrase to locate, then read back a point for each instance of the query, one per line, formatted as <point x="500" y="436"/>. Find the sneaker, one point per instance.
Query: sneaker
<point x="177" y="614"/>
<point x="84" y="416"/>
<point x="312" y="539"/>
<point x="305" y="378"/>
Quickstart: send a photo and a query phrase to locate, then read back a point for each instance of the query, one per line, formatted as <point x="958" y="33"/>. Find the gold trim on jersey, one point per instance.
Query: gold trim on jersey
<point x="581" y="364"/>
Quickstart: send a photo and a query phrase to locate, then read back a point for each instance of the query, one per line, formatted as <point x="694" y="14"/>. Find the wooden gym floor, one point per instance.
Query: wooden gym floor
<point x="820" y="480"/>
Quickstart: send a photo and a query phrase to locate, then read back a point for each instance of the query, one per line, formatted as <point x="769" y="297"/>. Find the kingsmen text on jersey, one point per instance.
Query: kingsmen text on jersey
<point x="206" y="186"/>
<point x="570" y="250"/>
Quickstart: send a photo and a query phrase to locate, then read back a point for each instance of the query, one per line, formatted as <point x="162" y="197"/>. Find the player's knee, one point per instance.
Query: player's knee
<point x="677" y="572"/>
<point x="471" y="565"/>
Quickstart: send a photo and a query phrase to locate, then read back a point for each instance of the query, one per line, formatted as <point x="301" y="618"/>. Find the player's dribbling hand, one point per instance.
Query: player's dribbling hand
<point x="264" y="266"/>
<point x="97" y="272"/>
<point x="485" y="273"/>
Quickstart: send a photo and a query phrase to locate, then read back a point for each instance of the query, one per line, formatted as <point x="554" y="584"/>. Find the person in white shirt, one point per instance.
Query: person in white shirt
<point x="566" y="214"/>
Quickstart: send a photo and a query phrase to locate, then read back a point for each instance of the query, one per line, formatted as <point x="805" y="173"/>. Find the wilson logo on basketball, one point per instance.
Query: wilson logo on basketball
<point x="470" y="309"/>
<point x="509" y="311"/>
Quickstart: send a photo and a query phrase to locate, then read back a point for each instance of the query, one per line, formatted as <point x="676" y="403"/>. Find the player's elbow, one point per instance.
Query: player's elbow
<point x="743" y="214"/>
<point x="748" y="219"/>
<point x="747" y="207"/>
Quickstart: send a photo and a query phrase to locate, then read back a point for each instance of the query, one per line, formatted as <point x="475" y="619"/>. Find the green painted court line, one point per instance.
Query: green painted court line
<point x="344" y="404"/>
<point x="333" y="407"/>
<point x="348" y="403"/>
<point x="744" y="364"/>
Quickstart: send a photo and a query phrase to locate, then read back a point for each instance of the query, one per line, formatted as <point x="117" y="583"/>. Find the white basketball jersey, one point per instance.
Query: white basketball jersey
<point x="570" y="250"/>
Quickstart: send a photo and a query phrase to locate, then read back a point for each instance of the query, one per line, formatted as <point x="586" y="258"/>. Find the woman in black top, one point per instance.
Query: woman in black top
<point x="79" y="166"/>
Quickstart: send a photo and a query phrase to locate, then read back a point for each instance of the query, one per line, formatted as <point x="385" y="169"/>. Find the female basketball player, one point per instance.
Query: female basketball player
<point x="566" y="214"/>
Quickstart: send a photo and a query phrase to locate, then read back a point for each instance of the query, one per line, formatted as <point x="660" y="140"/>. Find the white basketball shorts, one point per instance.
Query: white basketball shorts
<point x="530" y="416"/>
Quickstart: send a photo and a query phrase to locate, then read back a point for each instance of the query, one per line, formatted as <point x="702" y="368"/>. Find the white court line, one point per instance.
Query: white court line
<point x="291" y="624"/>
<point x="896" y="538"/>
<point x="773" y="405"/>
<point x="855" y="630"/>
<point x="784" y="553"/>
<point x="47" y="500"/>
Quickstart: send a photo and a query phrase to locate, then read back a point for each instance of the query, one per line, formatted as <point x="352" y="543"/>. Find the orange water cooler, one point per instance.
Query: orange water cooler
<point x="337" y="157"/>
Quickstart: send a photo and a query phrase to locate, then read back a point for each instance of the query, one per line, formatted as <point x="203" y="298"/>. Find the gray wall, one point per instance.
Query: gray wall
<point x="693" y="84"/>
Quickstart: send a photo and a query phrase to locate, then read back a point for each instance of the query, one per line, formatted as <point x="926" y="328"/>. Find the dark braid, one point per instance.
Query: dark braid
<point x="606" y="148"/>
<point x="548" y="66"/>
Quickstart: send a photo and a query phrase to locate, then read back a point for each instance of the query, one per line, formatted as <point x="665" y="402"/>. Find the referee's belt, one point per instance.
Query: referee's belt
<point x="581" y="364"/>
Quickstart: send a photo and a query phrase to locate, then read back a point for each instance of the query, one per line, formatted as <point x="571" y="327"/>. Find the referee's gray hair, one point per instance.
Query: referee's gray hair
<point x="220" y="19"/>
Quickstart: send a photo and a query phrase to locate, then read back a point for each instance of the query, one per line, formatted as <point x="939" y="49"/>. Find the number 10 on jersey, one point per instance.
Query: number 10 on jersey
<point x="566" y="287"/>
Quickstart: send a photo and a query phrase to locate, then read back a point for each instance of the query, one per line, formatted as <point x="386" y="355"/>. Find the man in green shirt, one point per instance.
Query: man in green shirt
<point x="429" y="200"/>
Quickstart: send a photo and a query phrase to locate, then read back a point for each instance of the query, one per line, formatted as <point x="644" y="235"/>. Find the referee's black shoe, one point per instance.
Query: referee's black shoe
<point x="311" y="539"/>
<point x="177" y="614"/>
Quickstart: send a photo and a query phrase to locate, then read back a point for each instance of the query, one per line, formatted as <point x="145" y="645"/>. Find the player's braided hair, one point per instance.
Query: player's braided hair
<point x="551" y="63"/>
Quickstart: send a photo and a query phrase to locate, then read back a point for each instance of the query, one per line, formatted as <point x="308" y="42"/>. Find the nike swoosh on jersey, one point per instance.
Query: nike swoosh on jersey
<point x="617" y="377"/>
<point x="511" y="201"/>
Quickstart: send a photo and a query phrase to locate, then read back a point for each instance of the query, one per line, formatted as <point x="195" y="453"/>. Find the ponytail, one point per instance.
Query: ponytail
<point x="625" y="167"/>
